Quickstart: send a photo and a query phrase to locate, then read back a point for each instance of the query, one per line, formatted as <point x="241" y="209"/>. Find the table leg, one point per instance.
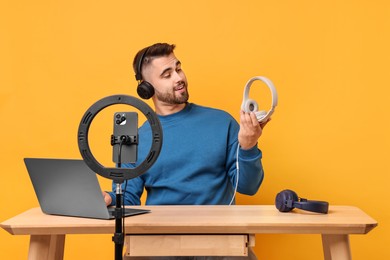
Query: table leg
<point x="336" y="247"/>
<point x="46" y="247"/>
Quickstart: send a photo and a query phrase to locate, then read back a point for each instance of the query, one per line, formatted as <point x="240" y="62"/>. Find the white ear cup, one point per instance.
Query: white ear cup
<point x="249" y="105"/>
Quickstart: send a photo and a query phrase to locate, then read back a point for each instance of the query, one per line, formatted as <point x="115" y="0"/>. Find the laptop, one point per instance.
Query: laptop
<point x="68" y="187"/>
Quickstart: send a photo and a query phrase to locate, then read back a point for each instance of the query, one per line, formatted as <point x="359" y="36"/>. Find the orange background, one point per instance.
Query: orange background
<point x="329" y="60"/>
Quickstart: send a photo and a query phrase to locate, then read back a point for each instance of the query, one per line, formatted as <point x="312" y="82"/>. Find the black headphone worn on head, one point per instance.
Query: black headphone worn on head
<point x="144" y="89"/>
<point x="287" y="200"/>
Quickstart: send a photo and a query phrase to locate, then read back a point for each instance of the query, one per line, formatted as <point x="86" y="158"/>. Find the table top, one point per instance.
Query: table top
<point x="238" y="219"/>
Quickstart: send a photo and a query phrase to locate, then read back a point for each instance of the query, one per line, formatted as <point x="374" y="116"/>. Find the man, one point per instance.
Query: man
<point x="202" y="146"/>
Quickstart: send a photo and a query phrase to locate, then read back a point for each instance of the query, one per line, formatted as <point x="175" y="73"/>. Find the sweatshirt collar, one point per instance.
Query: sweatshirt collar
<point x="176" y="116"/>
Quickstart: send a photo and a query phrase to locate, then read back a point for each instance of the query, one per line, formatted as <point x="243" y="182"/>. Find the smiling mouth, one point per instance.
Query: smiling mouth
<point x="180" y="87"/>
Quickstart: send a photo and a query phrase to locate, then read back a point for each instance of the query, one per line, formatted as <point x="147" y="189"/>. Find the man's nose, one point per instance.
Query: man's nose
<point x="178" y="76"/>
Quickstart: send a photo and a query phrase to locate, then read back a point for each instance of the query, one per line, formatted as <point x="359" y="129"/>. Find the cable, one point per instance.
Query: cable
<point x="120" y="152"/>
<point x="237" y="175"/>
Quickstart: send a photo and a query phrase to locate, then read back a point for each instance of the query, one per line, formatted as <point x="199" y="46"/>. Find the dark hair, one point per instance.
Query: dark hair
<point x="153" y="51"/>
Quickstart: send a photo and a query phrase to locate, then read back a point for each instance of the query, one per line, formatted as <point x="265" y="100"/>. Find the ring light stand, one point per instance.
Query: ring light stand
<point x="118" y="175"/>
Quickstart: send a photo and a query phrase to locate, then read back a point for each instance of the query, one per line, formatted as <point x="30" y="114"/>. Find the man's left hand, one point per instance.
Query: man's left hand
<point x="250" y="130"/>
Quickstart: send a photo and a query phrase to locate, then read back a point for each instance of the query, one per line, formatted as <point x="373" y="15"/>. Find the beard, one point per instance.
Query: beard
<point x="170" y="97"/>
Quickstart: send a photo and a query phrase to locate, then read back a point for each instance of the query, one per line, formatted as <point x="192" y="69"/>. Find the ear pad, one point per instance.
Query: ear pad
<point x="145" y="90"/>
<point x="285" y="199"/>
<point x="249" y="105"/>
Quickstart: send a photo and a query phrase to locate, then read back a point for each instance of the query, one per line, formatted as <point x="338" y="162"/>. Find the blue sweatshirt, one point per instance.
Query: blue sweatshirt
<point x="197" y="162"/>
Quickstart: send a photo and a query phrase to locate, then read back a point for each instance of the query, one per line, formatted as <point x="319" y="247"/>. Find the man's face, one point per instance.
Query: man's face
<point x="168" y="80"/>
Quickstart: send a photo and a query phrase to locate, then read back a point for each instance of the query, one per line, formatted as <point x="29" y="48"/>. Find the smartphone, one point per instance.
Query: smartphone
<point x="125" y="126"/>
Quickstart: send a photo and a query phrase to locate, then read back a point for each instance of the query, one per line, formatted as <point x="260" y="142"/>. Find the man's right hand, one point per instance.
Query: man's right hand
<point x="107" y="198"/>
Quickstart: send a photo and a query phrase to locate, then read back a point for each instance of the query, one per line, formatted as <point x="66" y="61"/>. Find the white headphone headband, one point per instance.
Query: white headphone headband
<point x="249" y="105"/>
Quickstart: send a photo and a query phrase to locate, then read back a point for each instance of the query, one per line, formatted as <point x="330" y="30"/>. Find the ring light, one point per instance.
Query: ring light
<point x="118" y="175"/>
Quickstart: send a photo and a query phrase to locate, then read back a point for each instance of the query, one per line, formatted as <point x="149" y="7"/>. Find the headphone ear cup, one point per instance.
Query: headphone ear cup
<point x="250" y="105"/>
<point x="285" y="199"/>
<point x="145" y="90"/>
<point x="260" y="115"/>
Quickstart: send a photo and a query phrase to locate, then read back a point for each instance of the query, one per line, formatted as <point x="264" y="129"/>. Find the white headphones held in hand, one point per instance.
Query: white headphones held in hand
<point x="249" y="105"/>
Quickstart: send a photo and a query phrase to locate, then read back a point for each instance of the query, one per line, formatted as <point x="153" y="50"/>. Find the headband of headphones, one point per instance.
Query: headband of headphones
<point x="138" y="73"/>
<point x="312" y="205"/>
<point x="249" y="105"/>
<point x="287" y="200"/>
<point x="144" y="89"/>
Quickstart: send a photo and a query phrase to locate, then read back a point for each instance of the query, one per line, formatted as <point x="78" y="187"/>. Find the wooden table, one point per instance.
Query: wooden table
<point x="227" y="230"/>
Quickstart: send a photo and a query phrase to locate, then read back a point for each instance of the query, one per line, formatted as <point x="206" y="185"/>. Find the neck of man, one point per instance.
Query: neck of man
<point x="164" y="109"/>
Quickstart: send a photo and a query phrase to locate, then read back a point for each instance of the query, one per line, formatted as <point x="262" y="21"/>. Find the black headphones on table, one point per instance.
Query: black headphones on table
<point x="287" y="200"/>
<point x="144" y="89"/>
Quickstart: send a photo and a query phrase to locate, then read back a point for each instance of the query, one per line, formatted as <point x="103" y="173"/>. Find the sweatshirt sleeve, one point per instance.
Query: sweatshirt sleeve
<point x="244" y="165"/>
<point x="250" y="170"/>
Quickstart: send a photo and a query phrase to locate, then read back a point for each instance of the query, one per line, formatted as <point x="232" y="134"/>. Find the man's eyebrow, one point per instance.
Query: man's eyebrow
<point x="169" y="69"/>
